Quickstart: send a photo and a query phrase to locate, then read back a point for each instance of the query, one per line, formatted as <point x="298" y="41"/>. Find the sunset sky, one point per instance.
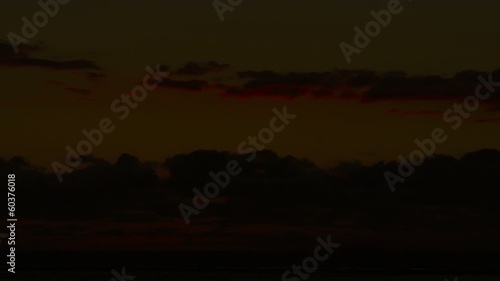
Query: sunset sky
<point x="47" y="102"/>
<point x="323" y="174"/>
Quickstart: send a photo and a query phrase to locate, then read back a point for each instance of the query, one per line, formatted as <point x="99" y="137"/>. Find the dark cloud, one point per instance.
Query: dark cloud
<point x="193" y="68"/>
<point x="24" y="58"/>
<point x="338" y="84"/>
<point x="190" y="85"/>
<point x="363" y="85"/>
<point x="52" y="64"/>
<point x="6" y="50"/>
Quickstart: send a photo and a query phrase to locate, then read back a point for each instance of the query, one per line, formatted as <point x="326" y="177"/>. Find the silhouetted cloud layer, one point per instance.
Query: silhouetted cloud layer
<point x="284" y="192"/>
<point x="361" y="85"/>
<point x="24" y="59"/>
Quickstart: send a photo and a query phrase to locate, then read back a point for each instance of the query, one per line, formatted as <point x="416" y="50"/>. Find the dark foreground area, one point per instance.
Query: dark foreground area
<point x="353" y="265"/>
<point x="253" y="275"/>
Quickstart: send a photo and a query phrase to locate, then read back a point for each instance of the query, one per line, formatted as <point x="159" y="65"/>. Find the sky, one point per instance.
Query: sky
<point x="322" y="174"/>
<point x="49" y="104"/>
